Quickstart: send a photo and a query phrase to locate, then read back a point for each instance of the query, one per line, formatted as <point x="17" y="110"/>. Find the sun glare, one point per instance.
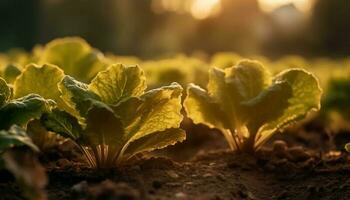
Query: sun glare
<point x="270" y="5"/>
<point x="202" y="9"/>
<point x="199" y="9"/>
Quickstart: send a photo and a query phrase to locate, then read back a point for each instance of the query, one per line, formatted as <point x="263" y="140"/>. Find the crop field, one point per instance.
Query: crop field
<point x="76" y="123"/>
<point x="175" y="100"/>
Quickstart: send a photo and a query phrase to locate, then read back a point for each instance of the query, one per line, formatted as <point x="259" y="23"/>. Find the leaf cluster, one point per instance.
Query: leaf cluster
<point x="249" y="105"/>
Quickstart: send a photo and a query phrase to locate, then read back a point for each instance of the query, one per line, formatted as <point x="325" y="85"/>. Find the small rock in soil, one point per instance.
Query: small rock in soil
<point x="207" y="175"/>
<point x="181" y="195"/>
<point x="173" y="184"/>
<point x="80" y="187"/>
<point x="220" y="177"/>
<point x="172" y="174"/>
<point x="298" y="154"/>
<point x="280" y="148"/>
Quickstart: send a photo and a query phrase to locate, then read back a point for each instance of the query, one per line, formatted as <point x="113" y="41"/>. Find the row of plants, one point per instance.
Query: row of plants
<point x="67" y="90"/>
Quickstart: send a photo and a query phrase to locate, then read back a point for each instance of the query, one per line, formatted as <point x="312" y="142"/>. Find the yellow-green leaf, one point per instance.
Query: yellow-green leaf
<point x="160" y="111"/>
<point x="201" y="108"/>
<point x="15" y="136"/>
<point x="103" y="127"/>
<point x="157" y="140"/>
<point x="75" y="56"/>
<point x="77" y="96"/>
<point x="21" y="110"/>
<point x="42" y="80"/>
<point x="249" y="78"/>
<point x="306" y="97"/>
<point x="5" y="92"/>
<point x="118" y="82"/>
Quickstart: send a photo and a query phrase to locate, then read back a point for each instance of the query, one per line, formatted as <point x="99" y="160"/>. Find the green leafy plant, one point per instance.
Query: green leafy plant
<point x="15" y="136"/>
<point x="225" y="59"/>
<point x="42" y="80"/>
<point x="29" y="174"/>
<point x="337" y="97"/>
<point x="74" y="56"/>
<point x="248" y="105"/>
<point x="22" y="109"/>
<point x="180" y="69"/>
<point x="114" y="118"/>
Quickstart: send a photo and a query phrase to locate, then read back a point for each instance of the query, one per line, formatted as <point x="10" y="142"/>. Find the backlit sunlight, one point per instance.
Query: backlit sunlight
<point x="270" y="5"/>
<point x="199" y="9"/>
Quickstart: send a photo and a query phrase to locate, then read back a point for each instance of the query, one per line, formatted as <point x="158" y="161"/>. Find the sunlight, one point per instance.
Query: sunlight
<point x="202" y="9"/>
<point x="199" y="9"/>
<point x="270" y="5"/>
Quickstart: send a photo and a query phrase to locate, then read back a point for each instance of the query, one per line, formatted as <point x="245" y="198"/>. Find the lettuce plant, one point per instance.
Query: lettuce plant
<point x="248" y="105"/>
<point x="74" y="56"/>
<point x="114" y="118"/>
<point x="16" y="112"/>
<point x="42" y="80"/>
<point x="22" y="109"/>
<point x="15" y="136"/>
<point x="15" y="157"/>
<point x="179" y="69"/>
<point x="224" y="60"/>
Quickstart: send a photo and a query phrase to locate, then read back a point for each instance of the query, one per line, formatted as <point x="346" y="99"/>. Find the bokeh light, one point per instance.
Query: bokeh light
<point x="270" y="5"/>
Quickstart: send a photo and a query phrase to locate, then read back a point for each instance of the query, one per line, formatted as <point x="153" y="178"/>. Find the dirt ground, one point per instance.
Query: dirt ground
<point x="304" y="163"/>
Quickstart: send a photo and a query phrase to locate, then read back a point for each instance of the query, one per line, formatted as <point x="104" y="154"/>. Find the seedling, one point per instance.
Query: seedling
<point x="113" y="118"/>
<point x="249" y="106"/>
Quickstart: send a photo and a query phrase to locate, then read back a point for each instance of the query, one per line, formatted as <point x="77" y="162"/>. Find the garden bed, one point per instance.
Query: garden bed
<point x="207" y="174"/>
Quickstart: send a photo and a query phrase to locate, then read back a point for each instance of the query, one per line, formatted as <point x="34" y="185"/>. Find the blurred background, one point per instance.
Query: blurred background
<point x="151" y="28"/>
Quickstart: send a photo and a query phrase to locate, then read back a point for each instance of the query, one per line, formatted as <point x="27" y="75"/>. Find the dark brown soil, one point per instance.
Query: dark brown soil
<point x="203" y="168"/>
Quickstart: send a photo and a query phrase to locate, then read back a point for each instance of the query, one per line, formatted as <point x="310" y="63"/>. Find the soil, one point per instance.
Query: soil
<point x="302" y="163"/>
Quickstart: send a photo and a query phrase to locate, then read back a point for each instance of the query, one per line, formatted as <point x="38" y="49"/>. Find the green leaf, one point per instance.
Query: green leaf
<point x="62" y="123"/>
<point x="15" y="136"/>
<point x="225" y="59"/>
<point x="249" y="78"/>
<point x="277" y="95"/>
<point x="157" y="140"/>
<point x="11" y="72"/>
<point x="5" y="92"/>
<point x="128" y="110"/>
<point x="21" y="110"/>
<point x="75" y="56"/>
<point x="103" y="127"/>
<point x="77" y="96"/>
<point x="41" y="80"/>
<point x="217" y="88"/>
<point x="201" y="108"/>
<point x="347" y="147"/>
<point x="306" y="97"/>
<point x="118" y="82"/>
<point x="180" y="69"/>
<point x="112" y="121"/>
<point x="248" y="107"/>
<point x="160" y="111"/>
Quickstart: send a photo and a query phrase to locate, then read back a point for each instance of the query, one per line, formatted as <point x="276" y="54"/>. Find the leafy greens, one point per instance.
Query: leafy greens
<point x="114" y="118"/>
<point x="249" y="105"/>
